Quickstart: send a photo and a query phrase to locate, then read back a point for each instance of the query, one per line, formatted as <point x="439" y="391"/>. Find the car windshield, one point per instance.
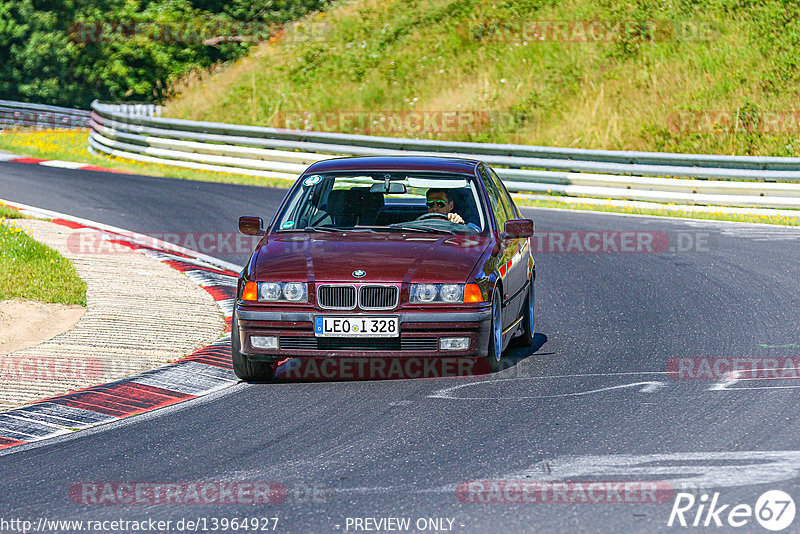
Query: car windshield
<point x="384" y="201"/>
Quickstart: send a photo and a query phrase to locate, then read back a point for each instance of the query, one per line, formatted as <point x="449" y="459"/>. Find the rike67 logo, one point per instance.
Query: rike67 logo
<point x="774" y="510"/>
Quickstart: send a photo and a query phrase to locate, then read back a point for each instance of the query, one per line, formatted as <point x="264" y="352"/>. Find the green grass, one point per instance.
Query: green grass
<point x="714" y="216"/>
<point x="10" y="213"/>
<point x="71" y="145"/>
<point x="391" y="56"/>
<point x="30" y="270"/>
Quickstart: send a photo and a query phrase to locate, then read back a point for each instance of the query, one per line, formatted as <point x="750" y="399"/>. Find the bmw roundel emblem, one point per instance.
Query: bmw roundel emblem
<point x="359" y="273"/>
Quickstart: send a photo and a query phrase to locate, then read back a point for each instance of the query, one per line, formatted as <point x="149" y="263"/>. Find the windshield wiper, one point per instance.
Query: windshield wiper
<point x="323" y="229"/>
<point x="425" y="229"/>
<point x="390" y="228"/>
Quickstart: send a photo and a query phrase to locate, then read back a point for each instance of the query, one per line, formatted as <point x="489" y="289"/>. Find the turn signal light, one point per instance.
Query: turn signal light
<point x="472" y="293"/>
<point x="250" y="291"/>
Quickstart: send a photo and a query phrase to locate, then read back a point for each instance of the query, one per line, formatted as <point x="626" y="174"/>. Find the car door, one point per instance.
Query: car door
<point x="508" y="249"/>
<point x="518" y="270"/>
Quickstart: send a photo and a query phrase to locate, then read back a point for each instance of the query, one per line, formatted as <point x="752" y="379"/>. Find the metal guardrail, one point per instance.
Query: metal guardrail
<point x="135" y="108"/>
<point x="672" y="178"/>
<point x="39" y="116"/>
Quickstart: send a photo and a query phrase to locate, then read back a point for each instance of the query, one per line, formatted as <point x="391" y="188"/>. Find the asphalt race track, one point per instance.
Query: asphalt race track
<point x="597" y="401"/>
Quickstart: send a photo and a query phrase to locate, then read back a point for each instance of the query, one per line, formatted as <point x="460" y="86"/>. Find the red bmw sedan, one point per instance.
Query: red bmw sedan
<point x="400" y="256"/>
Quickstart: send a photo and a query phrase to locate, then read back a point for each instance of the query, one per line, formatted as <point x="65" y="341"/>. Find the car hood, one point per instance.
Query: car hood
<point x="385" y="257"/>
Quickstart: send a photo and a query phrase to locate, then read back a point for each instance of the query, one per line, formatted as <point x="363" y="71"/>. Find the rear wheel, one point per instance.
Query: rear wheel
<point x="242" y="366"/>
<point x="495" y="353"/>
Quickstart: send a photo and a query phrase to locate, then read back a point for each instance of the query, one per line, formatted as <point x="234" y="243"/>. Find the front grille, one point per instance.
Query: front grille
<point x="355" y="343"/>
<point x="373" y="297"/>
<point x="336" y="297"/>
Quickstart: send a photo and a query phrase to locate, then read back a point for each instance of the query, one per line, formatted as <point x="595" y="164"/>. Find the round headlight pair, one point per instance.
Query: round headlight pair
<point x="437" y="293"/>
<point x="274" y="291"/>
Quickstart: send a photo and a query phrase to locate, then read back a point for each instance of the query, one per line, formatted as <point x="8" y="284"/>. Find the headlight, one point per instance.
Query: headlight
<point x="424" y="293"/>
<point x="451" y="293"/>
<point x="283" y="291"/>
<point x="269" y="291"/>
<point x="295" y="291"/>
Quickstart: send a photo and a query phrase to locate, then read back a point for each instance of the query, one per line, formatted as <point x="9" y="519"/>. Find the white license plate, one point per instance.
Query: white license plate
<point x="356" y="326"/>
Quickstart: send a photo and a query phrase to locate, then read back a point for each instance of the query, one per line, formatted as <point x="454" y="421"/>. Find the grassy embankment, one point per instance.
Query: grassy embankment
<point x="657" y="91"/>
<point x="31" y="270"/>
<point x="610" y="93"/>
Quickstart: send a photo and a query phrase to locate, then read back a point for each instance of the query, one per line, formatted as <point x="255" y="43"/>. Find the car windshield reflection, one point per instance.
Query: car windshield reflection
<point x="384" y="202"/>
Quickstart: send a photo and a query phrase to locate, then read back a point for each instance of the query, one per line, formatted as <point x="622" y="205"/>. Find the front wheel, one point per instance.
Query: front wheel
<point x="528" y="318"/>
<point x="495" y="353"/>
<point x="242" y="366"/>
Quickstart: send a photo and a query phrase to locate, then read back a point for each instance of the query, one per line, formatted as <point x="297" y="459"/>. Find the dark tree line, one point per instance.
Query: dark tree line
<point x="69" y="52"/>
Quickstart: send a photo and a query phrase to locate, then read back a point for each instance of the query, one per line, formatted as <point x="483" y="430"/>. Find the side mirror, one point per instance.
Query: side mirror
<point x="251" y="225"/>
<point x="518" y="229"/>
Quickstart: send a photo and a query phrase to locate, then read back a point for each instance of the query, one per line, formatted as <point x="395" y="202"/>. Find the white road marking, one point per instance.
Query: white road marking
<point x="446" y="393"/>
<point x="682" y="470"/>
<point x="63" y="164"/>
<point x="724" y="387"/>
<point x="729" y="380"/>
<point x="736" y="377"/>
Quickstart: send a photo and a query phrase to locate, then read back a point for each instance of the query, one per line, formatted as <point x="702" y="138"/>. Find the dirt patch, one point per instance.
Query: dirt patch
<point x="25" y="323"/>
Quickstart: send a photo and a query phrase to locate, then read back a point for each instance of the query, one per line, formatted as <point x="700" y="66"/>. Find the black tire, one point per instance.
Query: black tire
<point x="494" y="355"/>
<point x="528" y="319"/>
<point x="242" y="366"/>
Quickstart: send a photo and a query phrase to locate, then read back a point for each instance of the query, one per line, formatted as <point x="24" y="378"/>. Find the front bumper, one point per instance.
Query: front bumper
<point x="420" y="331"/>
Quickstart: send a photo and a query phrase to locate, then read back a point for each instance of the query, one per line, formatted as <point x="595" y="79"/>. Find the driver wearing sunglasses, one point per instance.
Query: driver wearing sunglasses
<point x="439" y="202"/>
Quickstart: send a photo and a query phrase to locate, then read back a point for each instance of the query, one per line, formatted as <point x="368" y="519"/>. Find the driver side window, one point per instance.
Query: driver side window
<point x="495" y="197"/>
<point x="505" y="197"/>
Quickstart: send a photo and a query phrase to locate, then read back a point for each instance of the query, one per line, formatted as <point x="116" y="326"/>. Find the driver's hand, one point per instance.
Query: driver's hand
<point x="455" y="218"/>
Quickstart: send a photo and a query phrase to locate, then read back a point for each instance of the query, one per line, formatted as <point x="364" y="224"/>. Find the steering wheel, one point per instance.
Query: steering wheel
<point x="432" y="215"/>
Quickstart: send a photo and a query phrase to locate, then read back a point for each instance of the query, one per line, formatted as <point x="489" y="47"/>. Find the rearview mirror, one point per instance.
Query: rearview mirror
<point x="394" y="188"/>
<point x="251" y="225"/>
<point x="518" y="229"/>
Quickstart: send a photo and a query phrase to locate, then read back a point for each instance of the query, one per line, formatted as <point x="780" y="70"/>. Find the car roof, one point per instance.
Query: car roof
<point x="399" y="163"/>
